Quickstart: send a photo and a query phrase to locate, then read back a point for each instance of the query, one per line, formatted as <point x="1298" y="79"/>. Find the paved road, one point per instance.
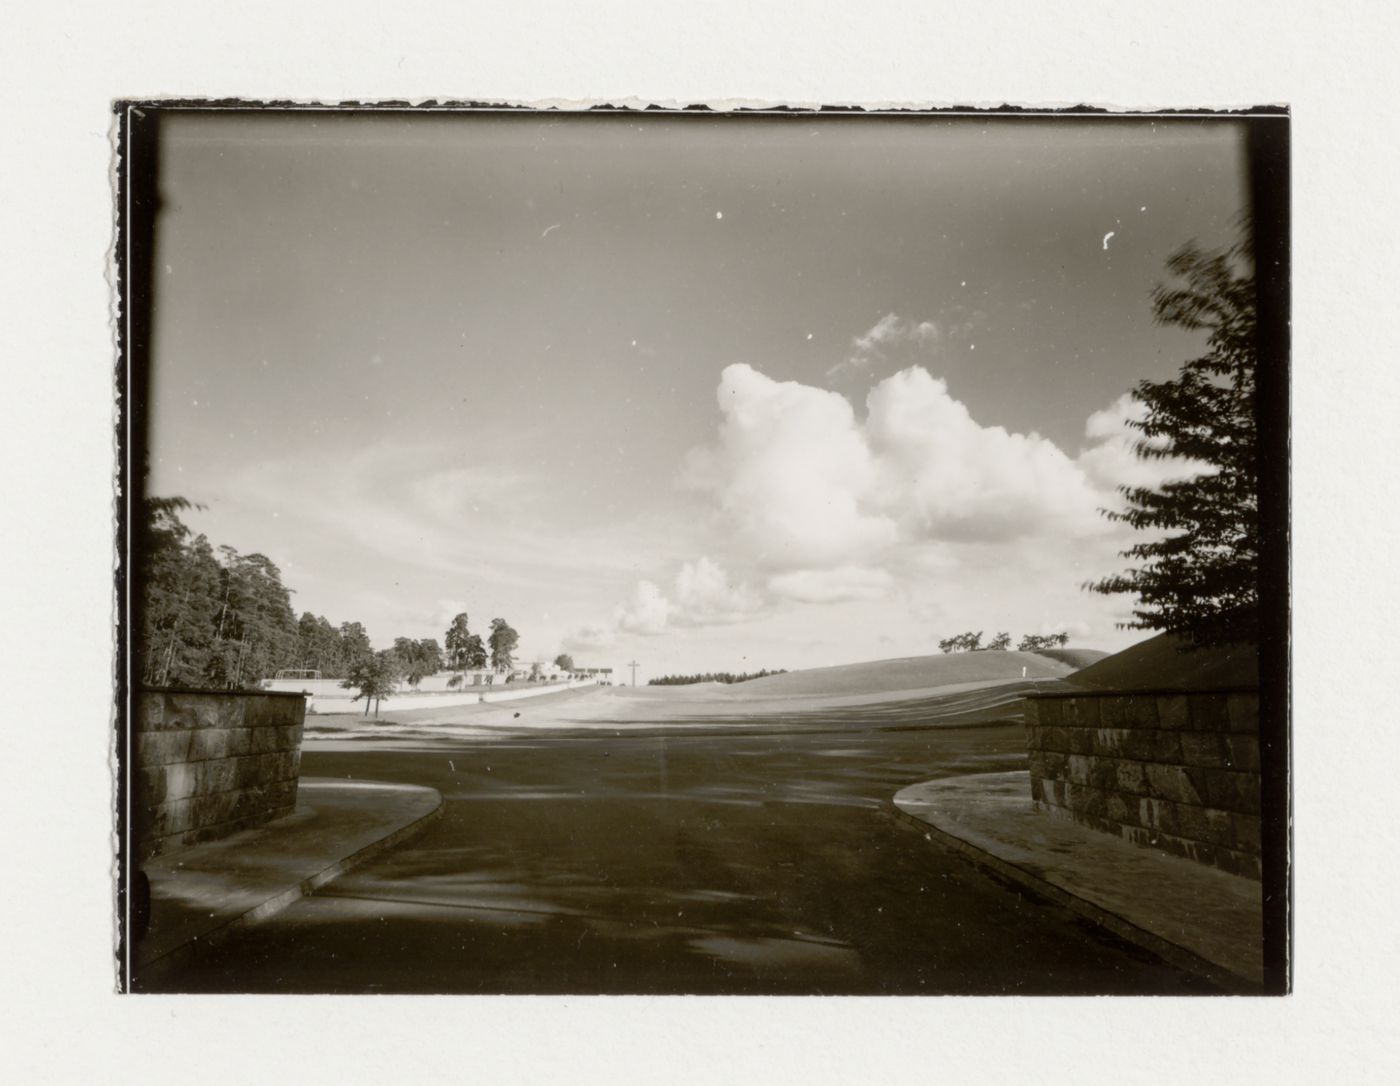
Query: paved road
<point x="753" y="861"/>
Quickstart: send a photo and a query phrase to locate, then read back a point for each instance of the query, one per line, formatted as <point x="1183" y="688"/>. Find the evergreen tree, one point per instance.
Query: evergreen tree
<point x="353" y="648"/>
<point x="476" y="653"/>
<point x="1198" y="575"/>
<point x="417" y="659"/>
<point x="318" y="647"/>
<point x="457" y="640"/>
<point x="503" y="642"/>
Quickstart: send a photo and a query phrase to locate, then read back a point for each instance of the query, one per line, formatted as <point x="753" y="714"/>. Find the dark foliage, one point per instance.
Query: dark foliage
<point x="1031" y="642"/>
<point x="712" y="677"/>
<point x="1197" y="576"/>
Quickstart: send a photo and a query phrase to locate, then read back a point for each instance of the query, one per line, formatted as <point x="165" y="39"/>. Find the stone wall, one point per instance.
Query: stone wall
<point x="206" y="764"/>
<point x="1177" y="770"/>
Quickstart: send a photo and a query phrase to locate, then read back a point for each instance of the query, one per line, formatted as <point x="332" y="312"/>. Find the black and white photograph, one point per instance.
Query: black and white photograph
<point x="649" y="543"/>
<point x="803" y="552"/>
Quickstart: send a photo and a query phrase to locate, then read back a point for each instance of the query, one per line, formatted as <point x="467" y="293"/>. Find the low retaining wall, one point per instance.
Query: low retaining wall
<point x="209" y="763"/>
<point x="1176" y="770"/>
<point x="472" y="695"/>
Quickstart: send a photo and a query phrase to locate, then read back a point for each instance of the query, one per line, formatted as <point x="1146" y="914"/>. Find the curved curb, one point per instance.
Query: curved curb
<point x="147" y="971"/>
<point x="1228" y="981"/>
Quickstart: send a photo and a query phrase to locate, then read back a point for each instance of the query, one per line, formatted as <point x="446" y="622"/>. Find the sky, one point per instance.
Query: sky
<point x="704" y="393"/>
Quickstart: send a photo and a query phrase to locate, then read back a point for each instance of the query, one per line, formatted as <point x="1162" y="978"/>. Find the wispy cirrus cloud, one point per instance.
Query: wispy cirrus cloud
<point x="873" y="345"/>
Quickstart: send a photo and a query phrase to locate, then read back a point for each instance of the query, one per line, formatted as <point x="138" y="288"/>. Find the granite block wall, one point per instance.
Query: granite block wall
<point x="1175" y="770"/>
<point x="206" y="764"/>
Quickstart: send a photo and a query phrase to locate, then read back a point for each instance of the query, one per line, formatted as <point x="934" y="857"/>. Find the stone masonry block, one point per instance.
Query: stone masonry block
<point x="206" y="710"/>
<point x="219" y="807"/>
<point x="180" y="780"/>
<point x="1166" y="747"/>
<point x="1081" y="712"/>
<point x="1140" y="711"/>
<point x="1110" y="742"/>
<point x="1209" y="713"/>
<point x="1084" y="800"/>
<point x="149" y="786"/>
<point x="1077" y="769"/>
<point x="1157" y="814"/>
<point x="264" y="740"/>
<point x="1130" y="776"/>
<point x="1233" y="791"/>
<point x="1113" y="712"/>
<point x="1242" y="753"/>
<point x="1120" y="808"/>
<point x="1203" y="749"/>
<point x="1244" y="713"/>
<point x="1172" y="712"/>
<point x="277" y="767"/>
<point x="240" y="742"/>
<point x="1103" y="773"/>
<point x="209" y="743"/>
<point x="216" y="775"/>
<point x="168" y="818"/>
<point x="1083" y="741"/>
<point x="1245" y="831"/>
<point x="1237" y="862"/>
<point x="160" y="748"/>
<point x="1048" y="711"/>
<point x="1172" y="782"/>
<point x="1193" y="823"/>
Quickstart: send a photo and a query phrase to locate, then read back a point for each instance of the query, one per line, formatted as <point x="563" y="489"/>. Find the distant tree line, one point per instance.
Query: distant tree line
<point x="972" y="642"/>
<point x="211" y="617"/>
<point x="712" y="677"/>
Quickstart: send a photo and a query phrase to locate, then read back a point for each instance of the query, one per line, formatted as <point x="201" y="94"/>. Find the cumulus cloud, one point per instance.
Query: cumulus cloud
<point x="705" y="596"/>
<point x="808" y="486"/>
<point x="594" y="635"/>
<point x="647" y="612"/>
<point x="701" y="595"/>
<point x="1110" y="461"/>
<point x="827" y="506"/>
<point x="791" y="469"/>
<point x="951" y="478"/>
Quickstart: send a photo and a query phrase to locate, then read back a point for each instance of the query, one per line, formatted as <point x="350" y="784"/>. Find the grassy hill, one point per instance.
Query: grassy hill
<point x="907" y="673"/>
<point x="1075" y="658"/>
<point x="1159" y="663"/>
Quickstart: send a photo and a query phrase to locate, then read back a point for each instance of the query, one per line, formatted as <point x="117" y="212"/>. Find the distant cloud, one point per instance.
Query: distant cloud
<point x="1111" y="460"/>
<point x="871" y="346"/>
<point x="826" y="507"/>
<point x="596" y="635"/>
<point x="705" y="596"/>
<point x="831" y="585"/>
<point x="702" y="595"/>
<point x="647" y="612"/>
